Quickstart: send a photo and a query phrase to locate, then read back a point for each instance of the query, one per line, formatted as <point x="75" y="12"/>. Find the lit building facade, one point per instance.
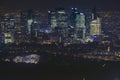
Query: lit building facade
<point x="95" y="24"/>
<point x="8" y="38"/>
<point x="80" y="26"/>
<point x="95" y="27"/>
<point x="29" y="22"/>
<point x="59" y="23"/>
<point x="78" y="22"/>
<point x="30" y="19"/>
<point x="52" y="19"/>
<point x="88" y="19"/>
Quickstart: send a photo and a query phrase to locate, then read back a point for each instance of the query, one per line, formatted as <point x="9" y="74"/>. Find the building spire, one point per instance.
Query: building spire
<point x="94" y="13"/>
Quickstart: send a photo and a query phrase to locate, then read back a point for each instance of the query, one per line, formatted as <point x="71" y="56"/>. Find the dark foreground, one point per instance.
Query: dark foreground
<point x="86" y="70"/>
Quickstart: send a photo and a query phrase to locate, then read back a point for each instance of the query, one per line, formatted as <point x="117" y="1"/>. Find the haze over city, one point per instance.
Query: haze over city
<point x="47" y="4"/>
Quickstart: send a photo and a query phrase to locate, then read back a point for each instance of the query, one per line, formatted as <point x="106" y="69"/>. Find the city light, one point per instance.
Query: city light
<point x="60" y="39"/>
<point x="85" y="32"/>
<point x="33" y="59"/>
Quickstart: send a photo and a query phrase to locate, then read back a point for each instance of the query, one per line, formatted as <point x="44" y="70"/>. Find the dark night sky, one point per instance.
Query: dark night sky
<point x="46" y="4"/>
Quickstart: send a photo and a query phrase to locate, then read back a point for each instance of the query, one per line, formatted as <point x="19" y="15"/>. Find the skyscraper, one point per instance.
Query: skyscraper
<point x="59" y="23"/>
<point x="95" y="24"/>
<point x="95" y="27"/>
<point x="78" y="21"/>
<point x="80" y="26"/>
<point x="30" y="19"/>
<point x="52" y="19"/>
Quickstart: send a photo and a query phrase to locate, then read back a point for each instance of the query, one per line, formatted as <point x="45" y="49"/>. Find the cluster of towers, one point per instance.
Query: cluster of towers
<point x="61" y="26"/>
<point x="72" y="26"/>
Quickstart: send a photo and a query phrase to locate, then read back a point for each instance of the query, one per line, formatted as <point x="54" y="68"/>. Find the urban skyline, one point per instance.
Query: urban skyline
<point x="60" y="40"/>
<point x="92" y="27"/>
<point x="59" y="22"/>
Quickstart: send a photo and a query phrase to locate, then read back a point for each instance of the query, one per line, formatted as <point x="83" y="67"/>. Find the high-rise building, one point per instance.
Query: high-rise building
<point x="78" y="22"/>
<point x="80" y="26"/>
<point x="29" y="22"/>
<point x="7" y="24"/>
<point x="58" y="18"/>
<point x="52" y="19"/>
<point x="88" y="19"/>
<point x="95" y="24"/>
<point x="23" y="21"/>
<point x="59" y="23"/>
<point x="30" y="18"/>
<point x="95" y="27"/>
<point x="20" y="28"/>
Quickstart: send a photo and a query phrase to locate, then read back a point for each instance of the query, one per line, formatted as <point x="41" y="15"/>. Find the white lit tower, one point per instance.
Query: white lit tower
<point x="29" y="20"/>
